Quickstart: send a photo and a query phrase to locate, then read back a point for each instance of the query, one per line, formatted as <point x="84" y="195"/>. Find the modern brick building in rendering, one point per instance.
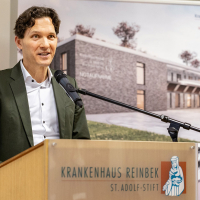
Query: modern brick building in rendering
<point x="126" y="75"/>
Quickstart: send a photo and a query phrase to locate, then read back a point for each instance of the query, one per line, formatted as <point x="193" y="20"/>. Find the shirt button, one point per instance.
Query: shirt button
<point x="42" y="104"/>
<point x="32" y="80"/>
<point x="43" y="122"/>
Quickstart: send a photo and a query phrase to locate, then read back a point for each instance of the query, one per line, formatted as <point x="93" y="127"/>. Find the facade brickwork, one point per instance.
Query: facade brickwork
<point x="113" y="73"/>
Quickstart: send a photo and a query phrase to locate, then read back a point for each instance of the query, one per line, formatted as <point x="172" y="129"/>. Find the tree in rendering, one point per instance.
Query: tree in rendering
<point x="187" y="56"/>
<point x="81" y="30"/>
<point x="127" y="33"/>
<point x="195" y="63"/>
<point x="60" y="39"/>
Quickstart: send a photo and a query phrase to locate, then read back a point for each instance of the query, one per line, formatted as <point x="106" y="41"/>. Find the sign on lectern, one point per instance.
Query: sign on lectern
<point x="101" y="170"/>
<point x="121" y="170"/>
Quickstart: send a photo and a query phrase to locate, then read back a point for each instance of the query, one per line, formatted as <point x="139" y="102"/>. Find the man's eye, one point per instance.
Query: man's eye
<point x="51" y="36"/>
<point x="35" y="36"/>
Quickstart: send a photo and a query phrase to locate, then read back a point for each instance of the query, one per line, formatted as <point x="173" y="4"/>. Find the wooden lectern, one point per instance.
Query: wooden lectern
<point x="101" y="170"/>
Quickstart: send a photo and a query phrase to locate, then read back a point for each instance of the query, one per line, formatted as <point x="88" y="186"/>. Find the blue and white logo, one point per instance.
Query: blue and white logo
<point x="175" y="184"/>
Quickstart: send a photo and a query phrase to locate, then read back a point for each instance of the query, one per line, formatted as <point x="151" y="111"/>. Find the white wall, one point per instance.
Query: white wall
<point x="8" y="16"/>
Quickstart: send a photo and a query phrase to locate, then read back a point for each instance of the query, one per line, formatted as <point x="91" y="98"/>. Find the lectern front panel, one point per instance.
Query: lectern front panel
<point x="105" y="170"/>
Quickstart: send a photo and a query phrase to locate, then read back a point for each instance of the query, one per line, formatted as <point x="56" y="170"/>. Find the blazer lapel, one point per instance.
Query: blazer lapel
<point x="19" y="92"/>
<point x="62" y="101"/>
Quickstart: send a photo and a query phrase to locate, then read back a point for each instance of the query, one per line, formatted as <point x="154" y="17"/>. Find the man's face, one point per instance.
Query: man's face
<point x="39" y="43"/>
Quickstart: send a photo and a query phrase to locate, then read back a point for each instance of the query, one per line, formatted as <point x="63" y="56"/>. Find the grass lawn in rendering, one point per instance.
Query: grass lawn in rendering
<point x="101" y="131"/>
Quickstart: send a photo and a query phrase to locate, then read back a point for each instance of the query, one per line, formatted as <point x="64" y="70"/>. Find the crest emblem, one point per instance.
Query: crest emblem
<point x="175" y="184"/>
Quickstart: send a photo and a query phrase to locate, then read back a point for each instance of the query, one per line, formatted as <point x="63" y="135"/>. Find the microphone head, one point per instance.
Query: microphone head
<point x="58" y="75"/>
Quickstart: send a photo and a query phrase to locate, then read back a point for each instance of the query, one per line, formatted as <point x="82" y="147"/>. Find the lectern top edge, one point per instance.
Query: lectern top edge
<point x="21" y="154"/>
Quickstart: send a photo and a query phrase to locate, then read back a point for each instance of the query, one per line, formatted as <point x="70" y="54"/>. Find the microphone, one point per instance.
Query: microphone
<point x="61" y="78"/>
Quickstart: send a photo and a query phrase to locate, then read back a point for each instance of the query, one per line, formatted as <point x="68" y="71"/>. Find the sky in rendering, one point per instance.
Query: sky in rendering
<point x="165" y="30"/>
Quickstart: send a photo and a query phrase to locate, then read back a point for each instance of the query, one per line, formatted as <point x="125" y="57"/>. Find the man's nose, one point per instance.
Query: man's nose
<point x="44" y="43"/>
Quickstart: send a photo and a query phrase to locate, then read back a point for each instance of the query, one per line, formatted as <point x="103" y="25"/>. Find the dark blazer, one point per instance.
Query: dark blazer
<point x="15" y="123"/>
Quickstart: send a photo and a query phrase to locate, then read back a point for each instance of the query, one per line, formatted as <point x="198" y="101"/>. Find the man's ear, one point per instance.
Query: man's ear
<point x="18" y="42"/>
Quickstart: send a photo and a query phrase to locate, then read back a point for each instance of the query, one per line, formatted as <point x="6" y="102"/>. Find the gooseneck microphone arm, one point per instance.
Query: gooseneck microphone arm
<point x="174" y="124"/>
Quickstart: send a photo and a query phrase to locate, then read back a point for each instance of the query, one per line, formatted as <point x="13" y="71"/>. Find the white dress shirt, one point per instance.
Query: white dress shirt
<point x="42" y="107"/>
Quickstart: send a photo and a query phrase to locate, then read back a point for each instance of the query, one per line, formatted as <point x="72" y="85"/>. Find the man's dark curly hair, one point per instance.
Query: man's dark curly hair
<point x="27" y="19"/>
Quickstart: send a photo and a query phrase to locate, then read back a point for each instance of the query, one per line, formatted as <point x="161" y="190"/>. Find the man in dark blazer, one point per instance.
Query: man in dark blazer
<point x="36" y="35"/>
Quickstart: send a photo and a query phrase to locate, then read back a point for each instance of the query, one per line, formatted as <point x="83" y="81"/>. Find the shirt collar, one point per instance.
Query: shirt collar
<point x="26" y="74"/>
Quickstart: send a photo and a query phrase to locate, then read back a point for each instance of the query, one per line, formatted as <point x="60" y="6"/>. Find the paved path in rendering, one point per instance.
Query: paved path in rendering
<point x="140" y="121"/>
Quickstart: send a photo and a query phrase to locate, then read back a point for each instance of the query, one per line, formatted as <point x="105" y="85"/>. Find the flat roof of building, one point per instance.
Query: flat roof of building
<point x="128" y="50"/>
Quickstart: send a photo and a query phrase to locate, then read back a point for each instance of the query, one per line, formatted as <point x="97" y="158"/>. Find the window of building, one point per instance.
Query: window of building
<point x="177" y="100"/>
<point x="190" y="77"/>
<point x="178" y="76"/>
<point x="63" y="62"/>
<point x="170" y="100"/>
<point x="185" y="76"/>
<point x="172" y="77"/>
<point x="140" y="99"/>
<point x="189" y="100"/>
<point x="169" y="76"/>
<point x="140" y="73"/>
<point x="198" y="101"/>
